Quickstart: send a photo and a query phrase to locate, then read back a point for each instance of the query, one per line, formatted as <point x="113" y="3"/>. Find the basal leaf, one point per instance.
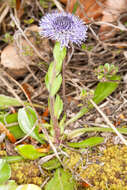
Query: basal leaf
<point x="51" y="164"/>
<point x="28" y="187"/>
<point x="78" y="132"/>
<point x="5" y="171"/>
<point x="29" y="152"/>
<point x="92" y="141"/>
<point x="14" y="129"/>
<point x="62" y="180"/>
<point x="10" y="185"/>
<point x="7" y="101"/>
<point x="27" y="118"/>
<point x="11" y="159"/>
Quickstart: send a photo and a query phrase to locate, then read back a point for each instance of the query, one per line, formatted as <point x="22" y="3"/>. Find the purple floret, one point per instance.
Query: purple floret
<point x="64" y="28"/>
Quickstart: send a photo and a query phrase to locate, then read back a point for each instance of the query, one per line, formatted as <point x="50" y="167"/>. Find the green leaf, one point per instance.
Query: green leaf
<point x="28" y="151"/>
<point x="28" y="187"/>
<point x="11" y="118"/>
<point x="81" y="131"/>
<point x="27" y="119"/>
<point x="76" y="5"/>
<point x="115" y="78"/>
<point x="58" y="68"/>
<point x="14" y="128"/>
<point x="10" y="185"/>
<point x="11" y="159"/>
<point x="29" y="21"/>
<point x="103" y="90"/>
<point x="51" y="164"/>
<point x="50" y="72"/>
<point x="59" y="53"/>
<point x="56" y="85"/>
<point x="48" y="77"/>
<point x="82" y="112"/>
<point x="5" y="171"/>
<point x="62" y="124"/>
<point x="47" y="81"/>
<point x="58" y="107"/>
<point x="62" y="180"/>
<point x="92" y="141"/>
<point x="7" y="101"/>
<point x="16" y="131"/>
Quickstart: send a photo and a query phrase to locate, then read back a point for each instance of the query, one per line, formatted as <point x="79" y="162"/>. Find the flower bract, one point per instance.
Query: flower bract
<point x="63" y="27"/>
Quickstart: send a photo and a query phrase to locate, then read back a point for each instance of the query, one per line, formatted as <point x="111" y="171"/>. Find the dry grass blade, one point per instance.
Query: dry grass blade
<point x="11" y="89"/>
<point x="4" y="13"/>
<point x="28" y="41"/>
<point x="109" y="123"/>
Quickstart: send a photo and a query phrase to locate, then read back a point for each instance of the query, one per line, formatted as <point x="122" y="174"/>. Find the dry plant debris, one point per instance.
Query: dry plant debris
<point x="106" y="11"/>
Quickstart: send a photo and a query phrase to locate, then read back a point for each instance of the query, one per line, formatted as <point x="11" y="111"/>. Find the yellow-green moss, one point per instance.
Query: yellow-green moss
<point x="73" y="159"/>
<point x="3" y="153"/>
<point x="109" y="171"/>
<point x="26" y="172"/>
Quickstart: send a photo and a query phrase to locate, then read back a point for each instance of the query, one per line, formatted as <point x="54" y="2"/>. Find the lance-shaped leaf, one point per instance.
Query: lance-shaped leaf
<point x="58" y="107"/>
<point x="7" y="101"/>
<point x="92" y="141"/>
<point x="56" y="85"/>
<point x="59" y="56"/>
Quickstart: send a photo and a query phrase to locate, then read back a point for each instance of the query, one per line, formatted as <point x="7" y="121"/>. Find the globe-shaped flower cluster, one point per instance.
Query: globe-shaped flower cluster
<point x="63" y="27"/>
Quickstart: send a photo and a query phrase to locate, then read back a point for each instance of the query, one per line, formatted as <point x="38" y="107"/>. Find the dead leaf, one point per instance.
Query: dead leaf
<point x="11" y="60"/>
<point x="45" y="115"/>
<point x="15" y="57"/>
<point x="105" y="10"/>
<point x="86" y="10"/>
<point x="19" y="8"/>
<point x="125" y="54"/>
<point x="10" y="136"/>
<point x="111" y="12"/>
<point x="28" y="89"/>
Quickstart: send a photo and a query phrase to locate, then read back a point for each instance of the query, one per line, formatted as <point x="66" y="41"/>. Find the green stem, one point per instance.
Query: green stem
<point x="63" y="84"/>
<point x="51" y="104"/>
<point x="55" y="121"/>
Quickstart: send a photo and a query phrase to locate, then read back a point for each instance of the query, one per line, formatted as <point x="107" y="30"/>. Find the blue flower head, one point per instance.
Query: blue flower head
<point x="64" y="28"/>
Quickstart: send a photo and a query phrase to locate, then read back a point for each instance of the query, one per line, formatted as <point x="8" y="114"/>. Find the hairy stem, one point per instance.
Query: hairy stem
<point x="51" y="105"/>
<point x="54" y="120"/>
<point x="63" y="85"/>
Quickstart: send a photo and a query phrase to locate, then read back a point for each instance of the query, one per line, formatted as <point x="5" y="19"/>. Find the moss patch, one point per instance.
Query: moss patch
<point x="107" y="171"/>
<point x="26" y="172"/>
